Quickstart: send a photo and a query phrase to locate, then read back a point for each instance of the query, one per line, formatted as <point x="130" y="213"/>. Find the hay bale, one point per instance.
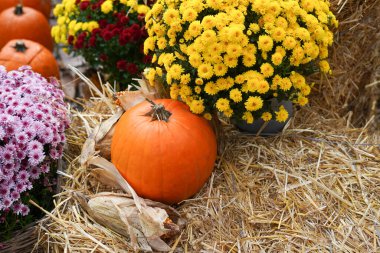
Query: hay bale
<point x="314" y="188"/>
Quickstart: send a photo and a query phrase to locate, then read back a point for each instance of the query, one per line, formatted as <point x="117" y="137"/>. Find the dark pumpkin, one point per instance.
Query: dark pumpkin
<point x="43" y="6"/>
<point x="166" y="160"/>
<point x="17" y="53"/>
<point x="24" y="23"/>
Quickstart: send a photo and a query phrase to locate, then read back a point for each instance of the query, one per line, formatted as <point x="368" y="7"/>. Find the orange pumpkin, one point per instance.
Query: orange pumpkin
<point x="43" y="6"/>
<point x="24" y="23"/>
<point x="17" y="53"/>
<point x="165" y="152"/>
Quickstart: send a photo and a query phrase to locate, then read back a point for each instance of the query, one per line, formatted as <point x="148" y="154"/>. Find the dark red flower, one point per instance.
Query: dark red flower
<point x="132" y="68"/>
<point x="70" y="39"/>
<point x="79" y="43"/>
<point x="92" y="41"/>
<point x="147" y="59"/>
<point x="135" y="27"/>
<point x="121" y="64"/>
<point x="97" y="5"/>
<point x="124" y="20"/>
<point x="96" y="31"/>
<point x="84" y="5"/>
<point x="141" y="17"/>
<point x="107" y="35"/>
<point x="110" y="27"/>
<point x="116" y="31"/>
<point x="103" y="57"/>
<point x="82" y="35"/>
<point x="102" y="23"/>
<point x="125" y="37"/>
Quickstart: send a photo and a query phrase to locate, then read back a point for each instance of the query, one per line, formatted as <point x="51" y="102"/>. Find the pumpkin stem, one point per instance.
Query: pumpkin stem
<point x="19" y="10"/>
<point x="20" y="46"/>
<point x="158" y="112"/>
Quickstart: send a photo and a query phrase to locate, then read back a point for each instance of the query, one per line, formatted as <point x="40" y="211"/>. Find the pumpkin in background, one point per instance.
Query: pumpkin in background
<point x="17" y="53"/>
<point x="165" y="152"/>
<point x="24" y="23"/>
<point x="43" y="6"/>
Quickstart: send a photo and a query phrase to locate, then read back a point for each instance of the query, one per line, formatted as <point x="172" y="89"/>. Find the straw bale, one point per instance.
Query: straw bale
<point x="315" y="188"/>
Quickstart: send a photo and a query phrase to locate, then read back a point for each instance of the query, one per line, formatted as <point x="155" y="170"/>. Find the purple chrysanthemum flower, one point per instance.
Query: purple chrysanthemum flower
<point x="33" y="118"/>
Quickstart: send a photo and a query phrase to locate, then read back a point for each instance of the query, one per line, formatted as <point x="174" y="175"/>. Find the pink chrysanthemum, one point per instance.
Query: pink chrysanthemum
<point x="33" y="119"/>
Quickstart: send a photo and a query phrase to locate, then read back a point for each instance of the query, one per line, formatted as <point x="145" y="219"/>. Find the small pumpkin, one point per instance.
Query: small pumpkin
<point x="17" y="53"/>
<point x="164" y="151"/>
<point x="43" y="6"/>
<point x="24" y="23"/>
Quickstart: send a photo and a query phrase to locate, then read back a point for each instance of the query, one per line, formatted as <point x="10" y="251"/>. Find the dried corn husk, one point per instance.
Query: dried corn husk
<point x="120" y="213"/>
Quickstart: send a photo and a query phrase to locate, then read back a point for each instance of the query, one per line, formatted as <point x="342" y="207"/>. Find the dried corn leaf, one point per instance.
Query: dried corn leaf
<point x="128" y="99"/>
<point x="97" y="134"/>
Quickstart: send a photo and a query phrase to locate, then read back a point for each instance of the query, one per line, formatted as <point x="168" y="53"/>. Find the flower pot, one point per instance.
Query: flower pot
<point x="271" y="127"/>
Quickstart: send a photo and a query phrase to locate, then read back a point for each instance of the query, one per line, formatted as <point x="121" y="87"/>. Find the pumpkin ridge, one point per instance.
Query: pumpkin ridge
<point x="127" y="151"/>
<point x="144" y="152"/>
<point x="39" y="51"/>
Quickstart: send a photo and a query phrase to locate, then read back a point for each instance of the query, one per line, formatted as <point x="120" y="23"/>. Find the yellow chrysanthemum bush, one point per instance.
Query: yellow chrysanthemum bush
<point x="236" y="56"/>
<point x="109" y="34"/>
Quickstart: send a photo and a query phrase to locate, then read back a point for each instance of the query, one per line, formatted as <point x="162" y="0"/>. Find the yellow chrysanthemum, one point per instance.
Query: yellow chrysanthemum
<point x="285" y="84"/>
<point x="302" y="33"/>
<point x="150" y="76"/>
<point x="142" y="9"/>
<point x="282" y="114"/>
<point x="162" y="43"/>
<point x="230" y="61"/>
<point x="207" y="116"/>
<point x="208" y="22"/>
<point x="176" y="71"/>
<point x="195" y="28"/>
<point x="185" y="91"/>
<point x="228" y="113"/>
<point x="324" y="66"/>
<point x="278" y="34"/>
<point x="220" y="69"/>
<point x="189" y="15"/>
<point x="297" y="79"/>
<point x="197" y="89"/>
<point x="266" y="116"/>
<point x="195" y="60"/>
<point x="253" y="103"/>
<point x="199" y="81"/>
<point x="170" y="16"/>
<point x="235" y="95"/>
<point x="266" y="69"/>
<point x="205" y="71"/>
<point x="222" y="104"/>
<point x="174" y="91"/>
<point x="249" y="60"/>
<point x="211" y="88"/>
<point x="281" y="22"/>
<point x="248" y="117"/>
<point x="197" y="106"/>
<point x="289" y="42"/>
<point x="254" y="27"/>
<point x="265" y="43"/>
<point x="185" y="79"/>
<point x="302" y="101"/>
<point x="234" y="50"/>
<point x="277" y="59"/>
<point x="262" y="86"/>
<point x="106" y="7"/>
